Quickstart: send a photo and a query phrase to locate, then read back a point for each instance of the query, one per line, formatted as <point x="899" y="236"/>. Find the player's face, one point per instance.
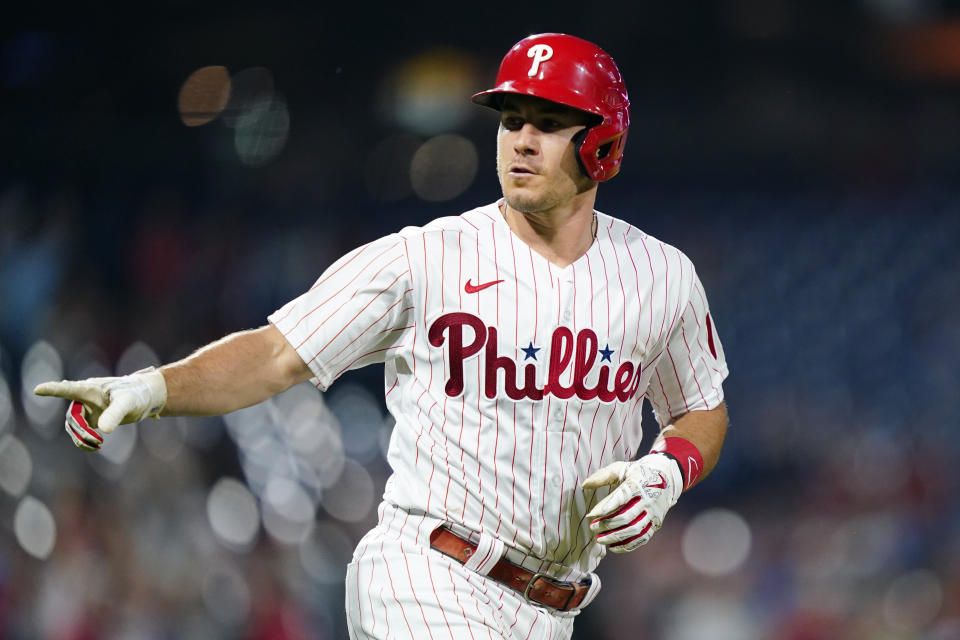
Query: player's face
<point x="536" y="159"/>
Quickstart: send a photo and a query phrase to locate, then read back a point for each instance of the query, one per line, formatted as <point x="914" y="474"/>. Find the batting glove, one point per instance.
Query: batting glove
<point x="645" y="489"/>
<point x="104" y="403"/>
<point x="79" y="429"/>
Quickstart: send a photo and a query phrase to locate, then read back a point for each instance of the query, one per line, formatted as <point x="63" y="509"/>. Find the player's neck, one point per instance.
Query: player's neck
<point x="561" y="235"/>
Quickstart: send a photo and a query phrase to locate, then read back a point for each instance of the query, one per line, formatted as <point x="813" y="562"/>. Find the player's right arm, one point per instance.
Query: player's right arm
<point x="353" y="315"/>
<point x="234" y="372"/>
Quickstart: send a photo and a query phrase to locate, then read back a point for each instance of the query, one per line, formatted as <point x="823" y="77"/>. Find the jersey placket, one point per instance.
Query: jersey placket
<point x="539" y="412"/>
<point x="548" y="464"/>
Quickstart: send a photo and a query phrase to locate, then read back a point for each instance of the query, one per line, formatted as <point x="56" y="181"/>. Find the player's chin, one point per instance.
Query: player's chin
<point x="525" y="200"/>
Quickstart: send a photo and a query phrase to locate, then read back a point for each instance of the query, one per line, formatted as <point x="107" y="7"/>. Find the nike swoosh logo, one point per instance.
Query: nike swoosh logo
<point x="473" y="288"/>
<point x="660" y="485"/>
<point x="693" y="471"/>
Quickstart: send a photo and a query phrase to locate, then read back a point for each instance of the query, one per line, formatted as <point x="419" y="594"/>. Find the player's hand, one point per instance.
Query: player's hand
<point x="644" y="490"/>
<point x="101" y="404"/>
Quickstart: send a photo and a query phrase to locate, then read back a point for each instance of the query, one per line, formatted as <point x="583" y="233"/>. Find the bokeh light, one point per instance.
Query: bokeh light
<point x="352" y="498"/>
<point x="16" y="465"/>
<point x="716" y="616"/>
<point x="329" y="459"/>
<point x="203" y="95"/>
<point x="716" y="542"/>
<point x="863" y="544"/>
<point x="261" y="132"/>
<point x="427" y="94"/>
<point x="233" y="513"/>
<point x="116" y="450"/>
<point x="288" y="512"/>
<point x="139" y="355"/>
<point x="913" y="601"/>
<point x="249" y="425"/>
<point x="258" y="115"/>
<point x="34" y="527"/>
<point x="443" y="167"/>
<point x="40" y="364"/>
<point x="264" y="458"/>
<point x="303" y="414"/>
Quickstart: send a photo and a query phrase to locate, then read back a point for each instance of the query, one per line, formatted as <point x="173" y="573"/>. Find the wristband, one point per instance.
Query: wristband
<point x="158" y="392"/>
<point x="685" y="454"/>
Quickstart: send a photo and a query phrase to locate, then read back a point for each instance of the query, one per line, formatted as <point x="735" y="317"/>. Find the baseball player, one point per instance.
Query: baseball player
<point x="519" y="340"/>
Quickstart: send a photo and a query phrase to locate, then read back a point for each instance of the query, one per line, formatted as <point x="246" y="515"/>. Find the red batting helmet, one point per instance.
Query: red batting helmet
<point x="578" y="74"/>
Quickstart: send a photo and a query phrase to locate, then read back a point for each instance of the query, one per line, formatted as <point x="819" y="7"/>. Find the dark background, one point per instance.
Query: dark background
<point x="805" y="155"/>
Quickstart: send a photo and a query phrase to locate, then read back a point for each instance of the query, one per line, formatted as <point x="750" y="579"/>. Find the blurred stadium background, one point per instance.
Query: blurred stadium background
<point x="167" y="179"/>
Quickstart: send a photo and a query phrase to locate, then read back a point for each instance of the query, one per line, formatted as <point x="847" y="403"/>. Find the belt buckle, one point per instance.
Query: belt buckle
<point x="555" y="583"/>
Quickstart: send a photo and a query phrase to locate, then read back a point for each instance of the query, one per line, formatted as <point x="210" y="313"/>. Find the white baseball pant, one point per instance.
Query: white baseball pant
<point x="398" y="588"/>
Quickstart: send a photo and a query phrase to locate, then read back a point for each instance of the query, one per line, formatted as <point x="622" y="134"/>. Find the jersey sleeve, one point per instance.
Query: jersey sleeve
<point x="355" y="313"/>
<point x="690" y="373"/>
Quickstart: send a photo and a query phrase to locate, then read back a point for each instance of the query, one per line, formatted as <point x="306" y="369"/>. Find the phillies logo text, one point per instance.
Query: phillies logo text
<point x="580" y="351"/>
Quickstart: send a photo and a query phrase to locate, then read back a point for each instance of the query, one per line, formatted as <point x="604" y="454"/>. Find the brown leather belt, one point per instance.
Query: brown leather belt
<point x="535" y="587"/>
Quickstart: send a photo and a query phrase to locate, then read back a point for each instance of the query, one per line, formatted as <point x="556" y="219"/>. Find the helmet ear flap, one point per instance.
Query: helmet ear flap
<point x="598" y="153"/>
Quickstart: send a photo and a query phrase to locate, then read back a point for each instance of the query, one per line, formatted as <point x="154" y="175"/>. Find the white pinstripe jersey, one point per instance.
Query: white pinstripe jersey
<point x="511" y="379"/>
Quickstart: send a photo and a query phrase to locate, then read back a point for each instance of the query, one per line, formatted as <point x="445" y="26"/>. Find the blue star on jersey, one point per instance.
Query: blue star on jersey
<point x="606" y="353"/>
<point x="530" y="351"/>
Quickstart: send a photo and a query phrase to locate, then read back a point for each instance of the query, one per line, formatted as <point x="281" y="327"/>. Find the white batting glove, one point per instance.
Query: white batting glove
<point x="645" y="489"/>
<point x="104" y="403"/>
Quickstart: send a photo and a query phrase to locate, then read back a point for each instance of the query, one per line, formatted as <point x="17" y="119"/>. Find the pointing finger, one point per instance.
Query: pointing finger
<point x="50" y="389"/>
<point x="72" y="390"/>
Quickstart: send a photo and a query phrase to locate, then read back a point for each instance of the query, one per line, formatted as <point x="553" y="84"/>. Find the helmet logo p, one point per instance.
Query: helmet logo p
<point x="539" y="53"/>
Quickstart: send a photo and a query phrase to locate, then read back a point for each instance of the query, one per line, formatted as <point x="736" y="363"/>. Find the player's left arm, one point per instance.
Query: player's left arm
<point x="687" y="389"/>
<point x="705" y="431"/>
<point x="687" y="397"/>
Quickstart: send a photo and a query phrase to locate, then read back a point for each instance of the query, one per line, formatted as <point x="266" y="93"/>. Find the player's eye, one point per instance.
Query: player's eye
<point x="512" y="123"/>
